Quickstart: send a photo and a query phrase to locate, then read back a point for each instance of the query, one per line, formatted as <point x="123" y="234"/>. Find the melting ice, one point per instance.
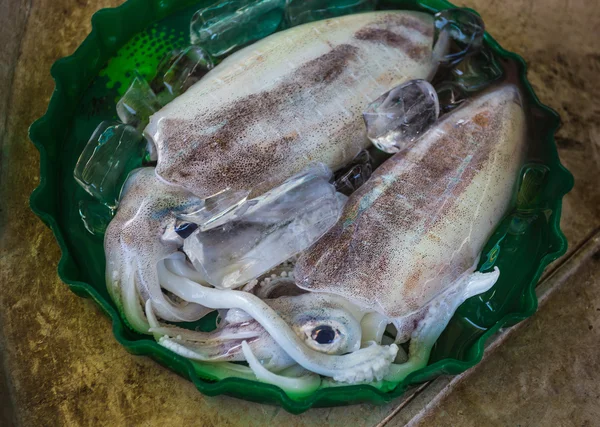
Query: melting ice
<point x="266" y="231"/>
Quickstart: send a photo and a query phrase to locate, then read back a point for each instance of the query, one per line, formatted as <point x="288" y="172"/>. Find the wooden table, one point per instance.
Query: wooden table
<point x="62" y="365"/>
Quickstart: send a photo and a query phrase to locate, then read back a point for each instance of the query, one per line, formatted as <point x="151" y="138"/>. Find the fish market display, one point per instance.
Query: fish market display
<point x="326" y="187"/>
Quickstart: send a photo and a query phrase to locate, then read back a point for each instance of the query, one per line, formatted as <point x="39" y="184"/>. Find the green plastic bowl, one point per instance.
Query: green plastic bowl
<point x="135" y="35"/>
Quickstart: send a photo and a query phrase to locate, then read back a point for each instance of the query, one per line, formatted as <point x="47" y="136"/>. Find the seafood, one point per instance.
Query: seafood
<point x="306" y="289"/>
<point x="425" y="214"/>
<point x="149" y="210"/>
<point x="484" y="140"/>
<point x="296" y="97"/>
<point x="409" y="240"/>
<point x="238" y="128"/>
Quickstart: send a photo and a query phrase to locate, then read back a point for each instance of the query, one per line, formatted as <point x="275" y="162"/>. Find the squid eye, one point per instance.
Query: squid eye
<point x="323" y="334"/>
<point x="185" y="229"/>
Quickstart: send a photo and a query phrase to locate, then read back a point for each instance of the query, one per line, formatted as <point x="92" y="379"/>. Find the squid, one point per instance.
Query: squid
<point x="268" y="111"/>
<point x="265" y="113"/>
<point x="408" y="242"/>
<point x="402" y="255"/>
<point x="177" y="292"/>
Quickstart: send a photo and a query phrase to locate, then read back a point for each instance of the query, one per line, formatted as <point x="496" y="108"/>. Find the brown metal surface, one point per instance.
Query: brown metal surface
<point x="62" y="365"/>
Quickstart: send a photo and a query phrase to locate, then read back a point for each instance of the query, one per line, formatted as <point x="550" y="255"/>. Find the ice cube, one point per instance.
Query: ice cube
<point x="529" y="195"/>
<point x="450" y="95"/>
<point x="477" y="72"/>
<point x="400" y="116"/>
<point x="217" y="209"/>
<point x="268" y="231"/>
<point x="462" y="30"/>
<point x="138" y="103"/>
<point x="95" y="216"/>
<point x="225" y="26"/>
<point x="302" y="11"/>
<point x="114" y="150"/>
<point x="521" y="223"/>
<point x="178" y="71"/>
<point x="350" y="178"/>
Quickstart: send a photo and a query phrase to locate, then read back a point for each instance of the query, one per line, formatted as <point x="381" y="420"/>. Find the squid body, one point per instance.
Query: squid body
<point x="289" y="100"/>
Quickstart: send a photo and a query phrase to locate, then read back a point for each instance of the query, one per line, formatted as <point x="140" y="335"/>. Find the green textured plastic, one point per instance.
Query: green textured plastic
<point x="135" y="35"/>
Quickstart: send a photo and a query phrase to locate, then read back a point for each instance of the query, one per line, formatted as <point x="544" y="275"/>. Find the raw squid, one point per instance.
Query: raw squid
<point x="294" y="98"/>
<point x="408" y="241"/>
<point x="405" y="247"/>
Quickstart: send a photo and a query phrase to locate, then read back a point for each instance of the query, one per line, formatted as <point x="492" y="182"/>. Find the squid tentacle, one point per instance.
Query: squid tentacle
<point x="436" y="319"/>
<point x="150" y="288"/>
<point x="365" y="364"/>
<point x="305" y="384"/>
<point x="373" y="326"/>
<point x="130" y="301"/>
<point x="220" y="345"/>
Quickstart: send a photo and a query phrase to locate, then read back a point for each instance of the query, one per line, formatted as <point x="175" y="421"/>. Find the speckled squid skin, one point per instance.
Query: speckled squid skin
<point x="137" y="238"/>
<point x="294" y="98"/>
<point x="424" y="216"/>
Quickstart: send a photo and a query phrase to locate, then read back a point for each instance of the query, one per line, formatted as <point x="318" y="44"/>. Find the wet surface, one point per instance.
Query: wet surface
<point x="64" y="366"/>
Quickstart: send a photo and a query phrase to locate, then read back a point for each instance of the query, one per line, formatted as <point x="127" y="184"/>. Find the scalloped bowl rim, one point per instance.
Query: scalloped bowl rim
<point x="150" y="348"/>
